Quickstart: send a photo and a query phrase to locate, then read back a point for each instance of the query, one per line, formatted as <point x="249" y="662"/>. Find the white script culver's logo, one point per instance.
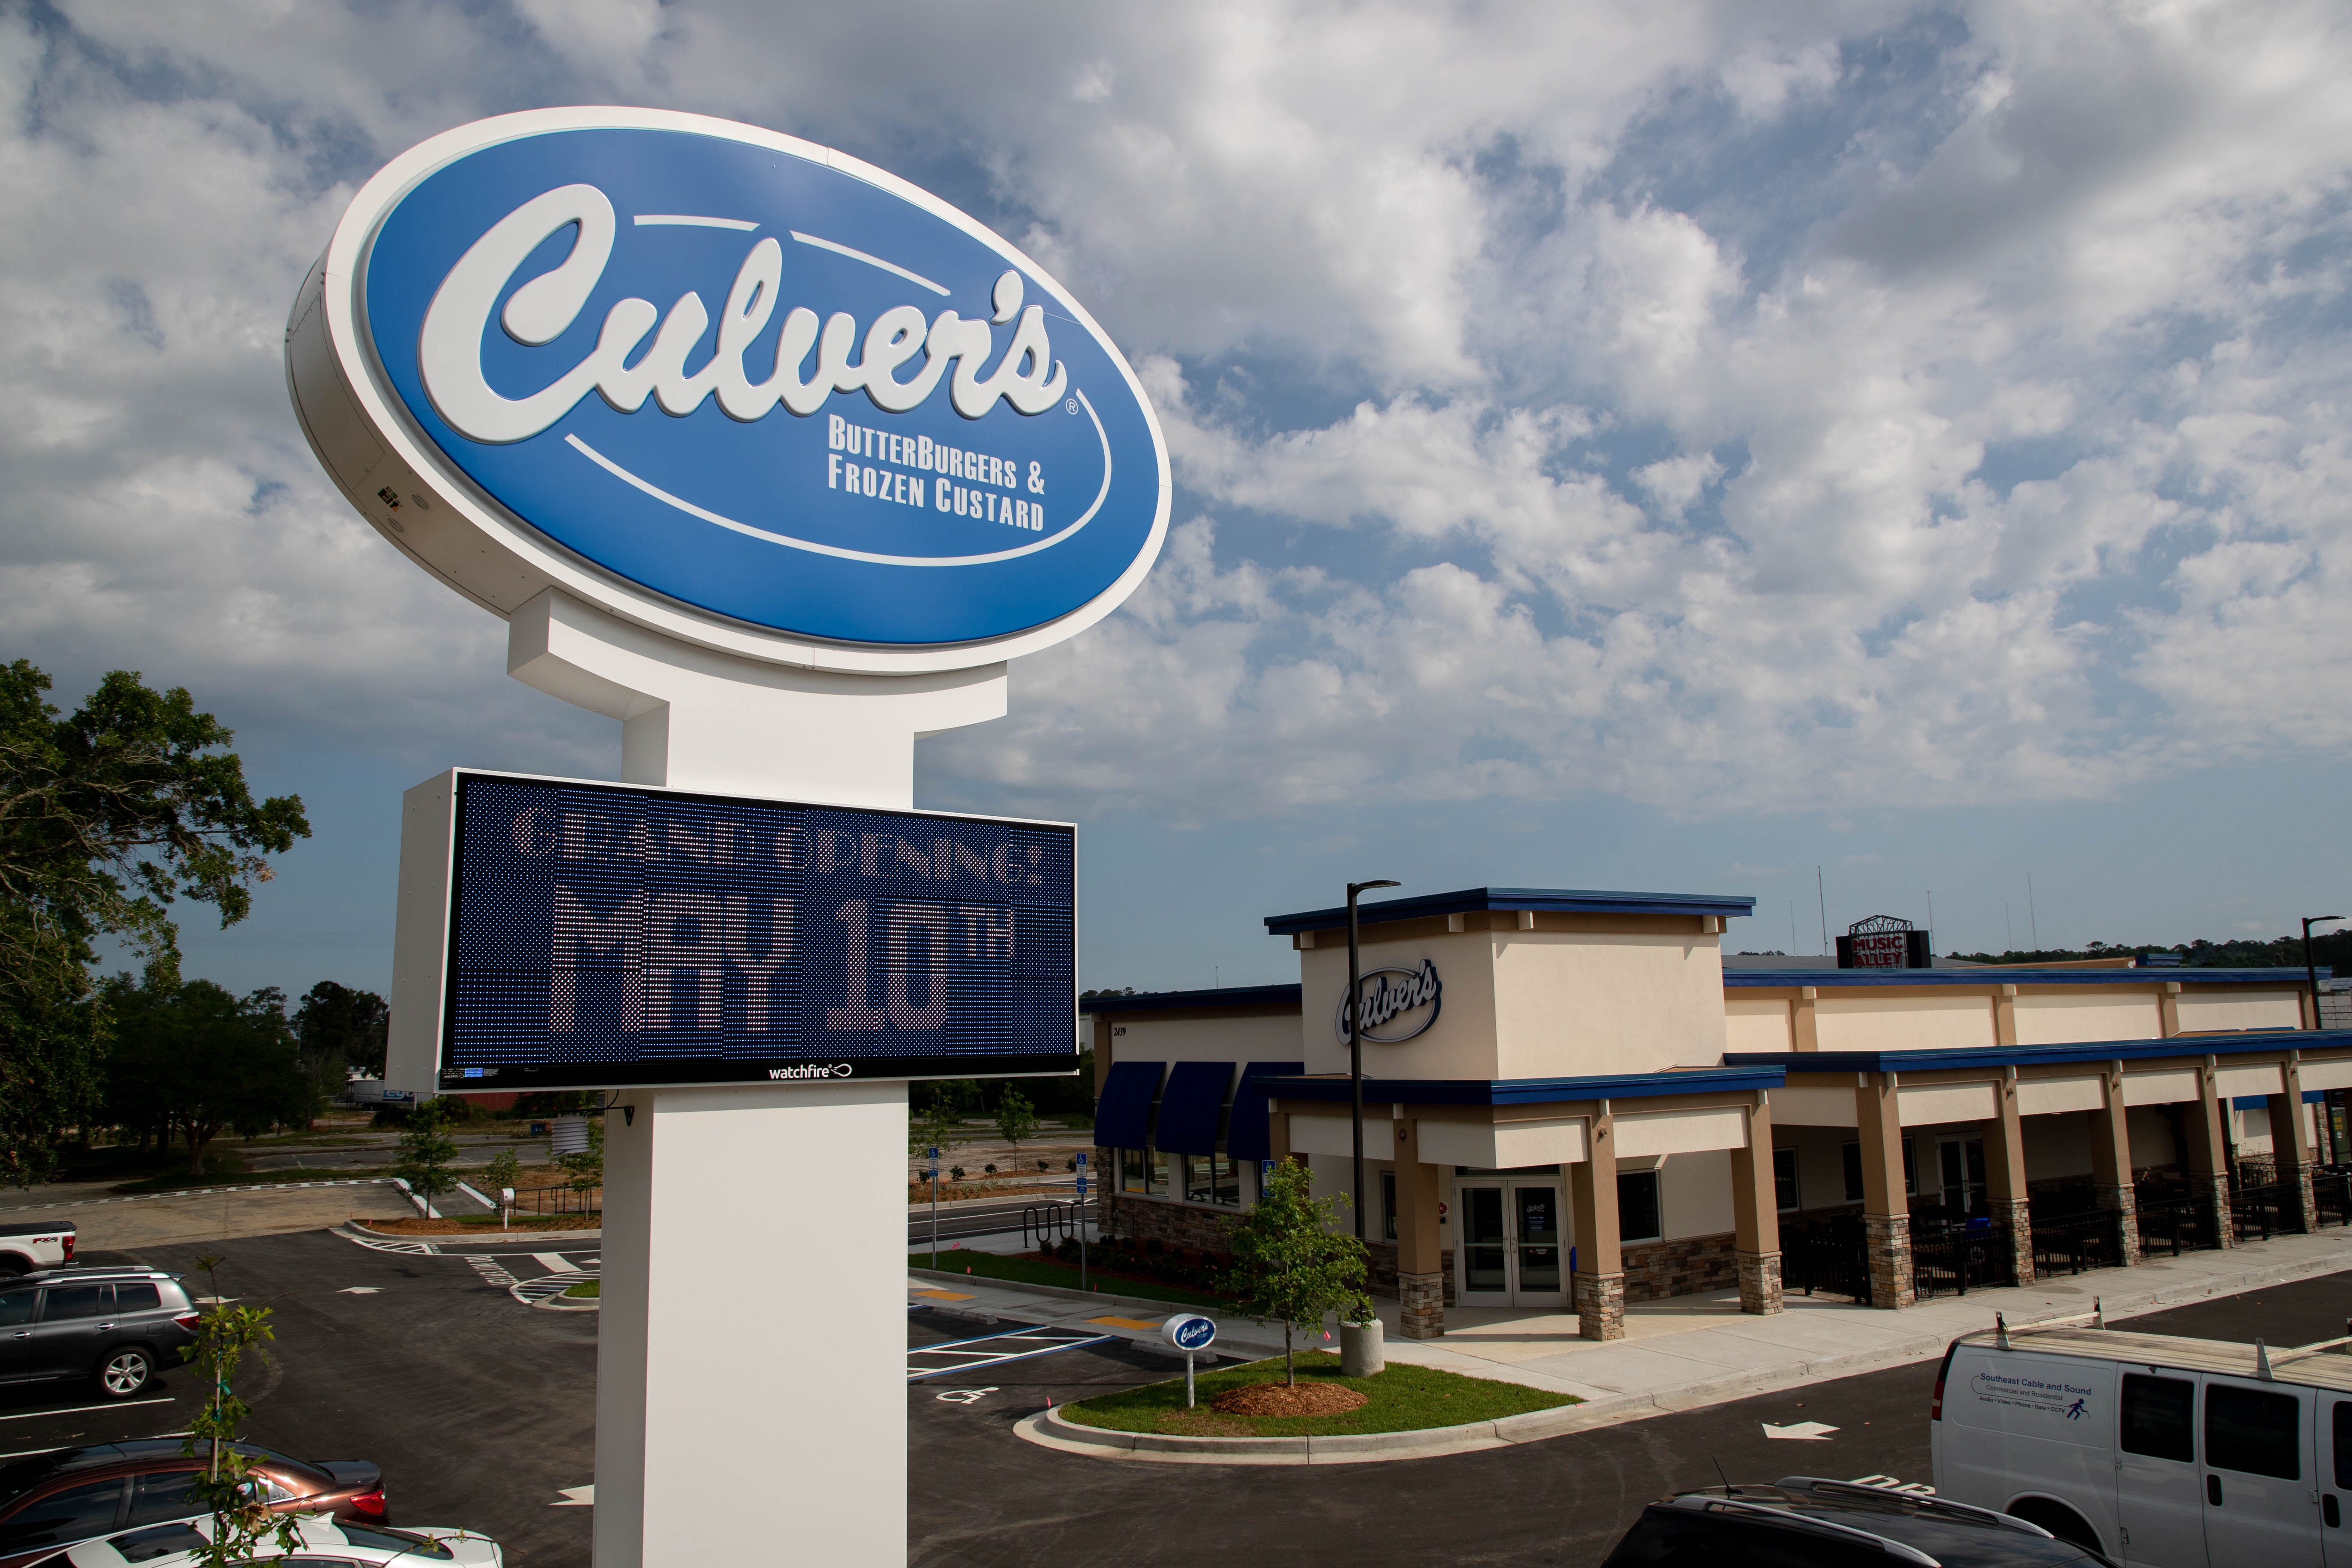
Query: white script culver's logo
<point x="450" y="348"/>
<point x="1390" y="994"/>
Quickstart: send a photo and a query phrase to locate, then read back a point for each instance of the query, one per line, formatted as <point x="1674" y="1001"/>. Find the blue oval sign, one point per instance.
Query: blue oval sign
<point x="1190" y="1332"/>
<point x="755" y="378"/>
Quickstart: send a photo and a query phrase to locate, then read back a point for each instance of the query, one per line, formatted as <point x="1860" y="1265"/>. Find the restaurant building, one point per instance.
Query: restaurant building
<point x="1570" y="1101"/>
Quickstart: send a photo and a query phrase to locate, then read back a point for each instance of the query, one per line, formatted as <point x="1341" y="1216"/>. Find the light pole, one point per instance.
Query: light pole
<point x="1356" y="1044"/>
<point x="2310" y="968"/>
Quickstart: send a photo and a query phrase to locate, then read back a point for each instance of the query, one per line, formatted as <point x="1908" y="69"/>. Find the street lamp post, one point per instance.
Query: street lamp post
<point x="1356" y="1044"/>
<point x="2311" y="969"/>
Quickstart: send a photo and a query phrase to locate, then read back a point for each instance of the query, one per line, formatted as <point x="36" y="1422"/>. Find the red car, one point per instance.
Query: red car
<point x="53" y="1499"/>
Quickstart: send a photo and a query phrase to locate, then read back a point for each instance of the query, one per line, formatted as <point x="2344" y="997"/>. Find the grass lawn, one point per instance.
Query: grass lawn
<point x="1402" y="1399"/>
<point x="587" y="1290"/>
<point x="1027" y="1271"/>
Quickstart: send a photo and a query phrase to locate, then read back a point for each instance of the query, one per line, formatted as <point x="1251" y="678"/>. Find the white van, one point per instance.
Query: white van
<point x="2170" y="1452"/>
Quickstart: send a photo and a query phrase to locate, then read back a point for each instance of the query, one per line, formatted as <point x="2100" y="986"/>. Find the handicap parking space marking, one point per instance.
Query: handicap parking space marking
<point x="962" y="1395"/>
<point x="994" y="1349"/>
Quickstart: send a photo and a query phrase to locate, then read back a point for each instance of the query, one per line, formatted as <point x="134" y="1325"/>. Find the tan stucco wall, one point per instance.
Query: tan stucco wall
<point x="2241" y="1010"/>
<point x="1880" y="1023"/>
<point x="1749" y="1024"/>
<point x="1267" y="1038"/>
<point x="1615" y="1002"/>
<point x="2057" y="1018"/>
<point x="1461" y="1044"/>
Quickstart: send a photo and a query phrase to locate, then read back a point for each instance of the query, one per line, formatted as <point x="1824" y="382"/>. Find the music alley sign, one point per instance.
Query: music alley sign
<point x="738" y="388"/>
<point x="1399" y="1005"/>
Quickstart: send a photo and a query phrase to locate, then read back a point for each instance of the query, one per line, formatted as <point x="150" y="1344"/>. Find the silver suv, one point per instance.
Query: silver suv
<point x="114" y="1327"/>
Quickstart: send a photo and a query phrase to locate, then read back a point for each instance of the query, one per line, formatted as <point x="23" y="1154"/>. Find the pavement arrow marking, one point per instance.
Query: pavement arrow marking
<point x="576" y="1496"/>
<point x="1802" y="1431"/>
<point x="360" y="1290"/>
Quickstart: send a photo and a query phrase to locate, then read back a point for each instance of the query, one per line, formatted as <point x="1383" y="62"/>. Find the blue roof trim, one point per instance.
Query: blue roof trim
<point x="1532" y="1090"/>
<point x="2030" y="1055"/>
<point x="2003" y="974"/>
<point x="1169" y="1001"/>
<point x="1555" y="900"/>
<point x="1189" y="1106"/>
<point x="1123" y="1115"/>
<point x="1249" y="1135"/>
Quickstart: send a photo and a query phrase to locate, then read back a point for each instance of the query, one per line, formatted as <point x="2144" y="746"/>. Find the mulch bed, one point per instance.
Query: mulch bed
<point x="1285" y="1399"/>
<point x="522" y="1223"/>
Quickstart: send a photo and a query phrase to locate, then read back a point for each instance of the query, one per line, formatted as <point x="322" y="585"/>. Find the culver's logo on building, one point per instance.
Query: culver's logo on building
<point x="726" y="382"/>
<point x="1398" y="1003"/>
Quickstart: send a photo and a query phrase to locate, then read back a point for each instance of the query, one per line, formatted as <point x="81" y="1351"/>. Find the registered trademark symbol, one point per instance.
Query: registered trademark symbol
<point x="1071" y="403"/>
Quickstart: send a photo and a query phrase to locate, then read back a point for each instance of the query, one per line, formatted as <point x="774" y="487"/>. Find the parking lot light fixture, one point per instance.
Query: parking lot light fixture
<point x="2311" y="969"/>
<point x="1356" y="1044"/>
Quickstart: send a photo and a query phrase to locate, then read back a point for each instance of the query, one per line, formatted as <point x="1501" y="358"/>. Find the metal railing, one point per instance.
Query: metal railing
<point x="1053" y="1223"/>
<point x="2175" y="1225"/>
<point x="2072" y="1243"/>
<point x="1953" y="1258"/>
<point x="566" y="1199"/>
<point x="2271" y="1209"/>
<point x="1834" y="1258"/>
<point x="2331" y="1195"/>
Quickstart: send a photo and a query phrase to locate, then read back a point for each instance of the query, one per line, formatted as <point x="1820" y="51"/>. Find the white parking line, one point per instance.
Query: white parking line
<point x="78" y="1409"/>
<point x="994" y="1349"/>
<point x="554" y="1263"/>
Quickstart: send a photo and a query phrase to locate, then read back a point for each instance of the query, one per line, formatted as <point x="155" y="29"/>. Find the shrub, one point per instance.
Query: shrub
<point x="990" y="1168"/>
<point x="956" y="1172"/>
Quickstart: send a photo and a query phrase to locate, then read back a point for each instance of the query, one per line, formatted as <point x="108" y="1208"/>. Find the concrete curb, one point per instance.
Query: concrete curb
<point x="556" y="1303"/>
<point x="1049" y="1429"/>
<point x="473" y="1238"/>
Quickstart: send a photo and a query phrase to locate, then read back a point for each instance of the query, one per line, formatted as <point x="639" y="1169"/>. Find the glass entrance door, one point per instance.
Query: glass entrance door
<point x="1511" y="1250"/>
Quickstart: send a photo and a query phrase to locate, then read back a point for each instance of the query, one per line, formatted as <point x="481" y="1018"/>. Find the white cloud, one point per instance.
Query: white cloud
<point x="1751" y="407"/>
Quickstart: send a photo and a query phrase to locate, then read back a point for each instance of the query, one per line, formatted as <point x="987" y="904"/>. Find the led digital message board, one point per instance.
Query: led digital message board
<point x="603" y="936"/>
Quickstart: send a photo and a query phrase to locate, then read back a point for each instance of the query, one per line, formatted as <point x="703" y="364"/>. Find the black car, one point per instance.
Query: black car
<point x="114" y="1327"/>
<point x="1804" y="1522"/>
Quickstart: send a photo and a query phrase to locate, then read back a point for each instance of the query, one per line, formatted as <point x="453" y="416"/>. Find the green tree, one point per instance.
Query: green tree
<point x="191" y="1058"/>
<point x="340" y="1028"/>
<point x="426" y="1153"/>
<point x="587" y="1167"/>
<point x="108" y="816"/>
<point x="1289" y="1264"/>
<point x="239" y="1504"/>
<point x="1017" y="1122"/>
<point x="502" y="1171"/>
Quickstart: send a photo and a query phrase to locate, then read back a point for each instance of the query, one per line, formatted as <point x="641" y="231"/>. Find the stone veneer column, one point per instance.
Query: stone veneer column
<point x="2111" y="1168"/>
<point x="2005" y="1194"/>
<point x="1600" y="1254"/>
<point x="1885" y="1211"/>
<point x="1756" y="1213"/>
<point x="2208" y="1155"/>
<point x="2291" y="1145"/>
<point x="1421" y="1273"/>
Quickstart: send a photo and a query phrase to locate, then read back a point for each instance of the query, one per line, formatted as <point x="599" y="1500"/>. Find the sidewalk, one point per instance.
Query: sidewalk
<point x="1694" y="1351"/>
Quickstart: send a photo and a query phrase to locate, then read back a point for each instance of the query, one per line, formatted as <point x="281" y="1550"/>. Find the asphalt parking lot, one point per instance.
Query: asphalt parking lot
<point x="479" y="1409"/>
<point x="987" y="1499"/>
<point x="481" y="1412"/>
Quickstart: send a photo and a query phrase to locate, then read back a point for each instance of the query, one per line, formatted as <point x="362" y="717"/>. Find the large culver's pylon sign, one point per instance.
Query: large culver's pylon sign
<point x="740" y="388"/>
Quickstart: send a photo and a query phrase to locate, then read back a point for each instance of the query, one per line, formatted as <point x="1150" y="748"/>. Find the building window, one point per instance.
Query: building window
<point x="1143" y="1171"/>
<point x="1784" y="1180"/>
<point x="1639" y="1217"/>
<point x="1853" y="1152"/>
<point x="1212" y="1179"/>
<point x="1388" y="1201"/>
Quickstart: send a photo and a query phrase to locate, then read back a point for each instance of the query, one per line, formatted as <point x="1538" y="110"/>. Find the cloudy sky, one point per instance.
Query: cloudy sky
<point x="1659" y="444"/>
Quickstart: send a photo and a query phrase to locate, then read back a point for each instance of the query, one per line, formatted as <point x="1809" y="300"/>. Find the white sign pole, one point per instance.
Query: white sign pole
<point x="786" y="1198"/>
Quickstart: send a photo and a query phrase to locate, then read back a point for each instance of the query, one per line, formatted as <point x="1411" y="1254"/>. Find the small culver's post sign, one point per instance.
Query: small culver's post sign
<point x="738" y="388"/>
<point x="1398" y="1003"/>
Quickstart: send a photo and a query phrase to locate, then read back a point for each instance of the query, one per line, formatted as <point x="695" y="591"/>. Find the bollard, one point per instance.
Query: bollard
<point x="506" y="1208"/>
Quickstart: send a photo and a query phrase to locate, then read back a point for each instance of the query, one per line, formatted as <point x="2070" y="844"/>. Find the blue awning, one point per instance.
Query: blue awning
<point x="1123" y="1115"/>
<point x="1188" y="1111"/>
<point x="1249" y="1137"/>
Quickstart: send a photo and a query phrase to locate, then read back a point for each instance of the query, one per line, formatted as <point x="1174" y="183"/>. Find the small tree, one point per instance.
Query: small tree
<point x="1289" y="1264"/>
<point x="587" y="1167"/>
<point x="239" y="1504"/>
<point x="426" y="1152"/>
<point x="1016" y="1120"/>
<point x="502" y="1170"/>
